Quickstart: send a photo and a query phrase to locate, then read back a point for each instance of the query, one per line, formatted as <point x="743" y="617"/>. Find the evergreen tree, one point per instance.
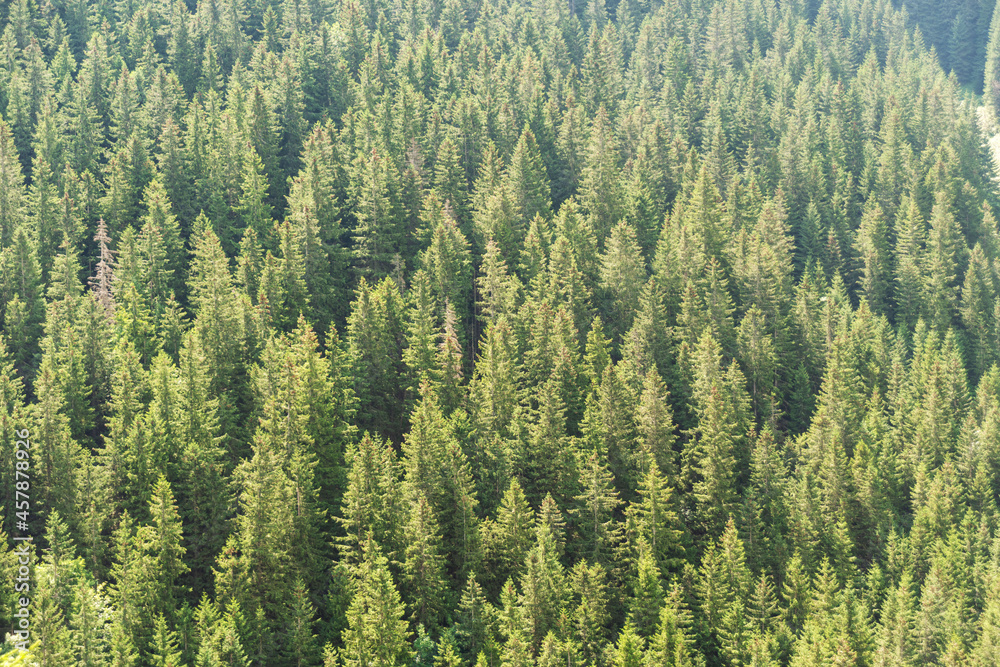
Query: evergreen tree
<point x="53" y="640"/>
<point x="656" y="427"/>
<point x="724" y="586"/>
<point x="164" y="543"/>
<point x="90" y="624"/>
<point x="371" y="504"/>
<point x="24" y="298"/>
<point x="424" y="586"/>
<point x="529" y="184"/>
<point x="656" y="519"/>
<point x="711" y="460"/>
<point x="977" y="311"/>
<point x="373" y="198"/>
<point x="872" y="248"/>
<point x="599" y="187"/>
<point x="498" y="290"/>
<point x="493" y="406"/>
<point x="58" y="457"/>
<point x="217" y="321"/>
<point x="165" y="651"/>
<point x="437" y="467"/>
<point x="13" y="199"/>
<point x="253" y="206"/>
<point x="622" y="276"/>
<point x="594" y="512"/>
<point x="376" y="633"/>
<point x="909" y="251"/>
<point x="673" y="643"/>
<point x="647" y="590"/>
<point x="543" y="584"/>
<point x="590" y="616"/>
<point x="474" y="620"/>
<point x="895" y="642"/>
<point x="506" y="540"/>
<point x="946" y="253"/>
<point x="374" y="350"/>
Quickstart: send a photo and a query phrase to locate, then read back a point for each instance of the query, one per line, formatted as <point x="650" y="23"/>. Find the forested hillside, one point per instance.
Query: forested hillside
<point x="958" y="31"/>
<point x="501" y="333"/>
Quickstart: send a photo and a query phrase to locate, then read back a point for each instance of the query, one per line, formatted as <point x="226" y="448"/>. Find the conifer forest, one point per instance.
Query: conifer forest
<point x="499" y="333"/>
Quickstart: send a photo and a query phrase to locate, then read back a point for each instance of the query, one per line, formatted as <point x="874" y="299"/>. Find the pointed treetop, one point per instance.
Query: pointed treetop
<point x="102" y="280"/>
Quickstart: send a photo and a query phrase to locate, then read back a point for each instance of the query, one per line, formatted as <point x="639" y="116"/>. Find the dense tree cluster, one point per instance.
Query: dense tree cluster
<point x="502" y="333"/>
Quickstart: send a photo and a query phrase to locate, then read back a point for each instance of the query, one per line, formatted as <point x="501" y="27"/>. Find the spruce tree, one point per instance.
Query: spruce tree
<point x="448" y="265"/>
<point x="376" y="633"/>
<point x="424" y="587"/>
<point x="647" y="594"/>
<point x="498" y="290"/>
<point x="373" y="197"/>
<point x="474" y="621"/>
<point x="507" y="539"/>
<point x="253" y="207"/>
<point x="529" y="184"/>
<point x="494" y="409"/>
<point x="622" y="276"/>
<point x="600" y="183"/>
<point x="165" y="651"/>
<point x="374" y="349"/>
<point x="673" y="643"/>
<point x="946" y="256"/>
<point x="53" y="640"/>
<point x="90" y="625"/>
<point x="588" y="582"/>
<point x="371" y="504"/>
<point x="543" y="585"/>
<point x="895" y="637"/>
<point x="13" y="199"/>
<point x="714" y="452"/>
<point x="23" y="290"/>
<point x="872" y="248"/>
<point x="594" y="512"/>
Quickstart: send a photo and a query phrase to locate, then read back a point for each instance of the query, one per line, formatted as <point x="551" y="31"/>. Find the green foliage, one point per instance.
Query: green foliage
<point x="374" y="350"/>
<point x="376" y="632"/>
<point x="510" y="334"/>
